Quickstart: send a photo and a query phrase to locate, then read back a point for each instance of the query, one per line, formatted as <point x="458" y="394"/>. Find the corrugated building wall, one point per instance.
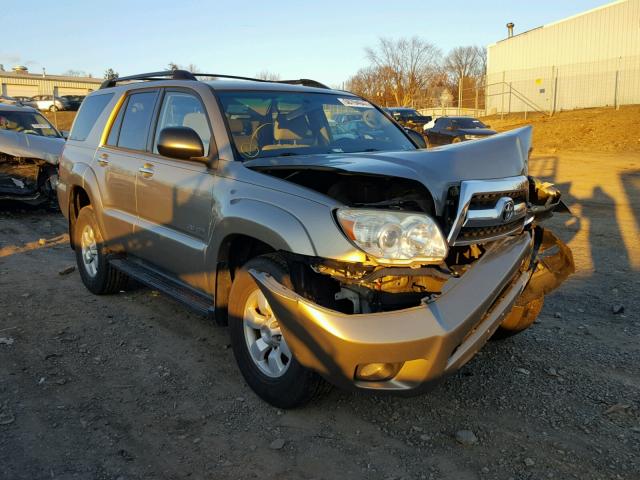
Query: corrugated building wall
<point x="28" y="84"/>
<point x="589" y="60"/>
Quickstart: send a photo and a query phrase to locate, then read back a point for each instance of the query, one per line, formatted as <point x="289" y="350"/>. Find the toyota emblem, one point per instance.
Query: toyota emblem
<point x="507" y="210"/>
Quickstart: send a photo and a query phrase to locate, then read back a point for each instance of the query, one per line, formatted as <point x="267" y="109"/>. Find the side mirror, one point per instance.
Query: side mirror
<point x="416" y="137"/>
<point x="65" y="134"/>
<point x="180" y="142"/>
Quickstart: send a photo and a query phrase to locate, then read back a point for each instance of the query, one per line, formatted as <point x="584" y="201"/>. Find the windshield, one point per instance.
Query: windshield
<point x="408" y="113"/>
<point x="468" y="123"/>
<point x="31" y="123"/>
<point x="272" y="124"/>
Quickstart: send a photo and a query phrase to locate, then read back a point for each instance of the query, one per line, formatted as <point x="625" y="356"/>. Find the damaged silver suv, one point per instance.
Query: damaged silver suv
<point x="311" y="223"/>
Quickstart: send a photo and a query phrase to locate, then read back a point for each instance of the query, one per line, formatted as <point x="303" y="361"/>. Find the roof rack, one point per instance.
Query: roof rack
<point x="185" y="75"/>
<point x="166" y="75"/>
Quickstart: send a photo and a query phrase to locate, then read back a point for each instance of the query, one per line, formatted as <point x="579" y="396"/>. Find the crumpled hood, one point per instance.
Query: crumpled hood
<point x="477" y="131"/>
<point x="498" y="156"/>
<point x="25" y="145"/>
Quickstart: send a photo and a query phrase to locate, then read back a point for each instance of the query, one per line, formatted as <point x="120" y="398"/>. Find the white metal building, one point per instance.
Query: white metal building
<point x="20" y="83"/>
<point x="589" y="60"/>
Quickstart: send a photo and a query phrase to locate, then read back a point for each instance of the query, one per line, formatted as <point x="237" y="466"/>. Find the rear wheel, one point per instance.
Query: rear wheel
<point x="97" y="274"/>
<point x="456" y="140"/>
<point x="259" y="346"/>
<point x="53" y="108"/>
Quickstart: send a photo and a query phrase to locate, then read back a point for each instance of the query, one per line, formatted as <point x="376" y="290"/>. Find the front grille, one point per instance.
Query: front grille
<point x="477" y="234"/>
<point x="474" y="211"/>
<point x="488" y="200"/>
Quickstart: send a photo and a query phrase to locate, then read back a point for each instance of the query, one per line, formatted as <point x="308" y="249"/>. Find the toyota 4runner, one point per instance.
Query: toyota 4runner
<point x="311" y="223"/>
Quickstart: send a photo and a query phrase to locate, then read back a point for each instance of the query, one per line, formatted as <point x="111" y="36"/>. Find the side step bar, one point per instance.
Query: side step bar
<point x="193" y="299"/>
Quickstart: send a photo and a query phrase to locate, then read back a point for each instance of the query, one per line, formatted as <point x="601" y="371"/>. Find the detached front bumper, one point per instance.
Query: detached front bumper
<point x="431" y="340"/>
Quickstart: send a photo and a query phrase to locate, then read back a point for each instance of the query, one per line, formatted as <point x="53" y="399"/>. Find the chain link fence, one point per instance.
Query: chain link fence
<point x="606" y="83"/>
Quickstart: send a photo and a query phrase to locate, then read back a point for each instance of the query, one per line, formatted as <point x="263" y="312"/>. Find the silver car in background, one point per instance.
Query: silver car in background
<point x="30" y="149"/>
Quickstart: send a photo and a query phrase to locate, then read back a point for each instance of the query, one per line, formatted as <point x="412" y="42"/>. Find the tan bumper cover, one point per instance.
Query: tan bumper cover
<point x="431" y="340"/>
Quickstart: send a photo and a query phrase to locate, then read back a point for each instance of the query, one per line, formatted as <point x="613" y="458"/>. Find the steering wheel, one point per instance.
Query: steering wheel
<point x="371" y="118"/>
<point x="247" y="150"/>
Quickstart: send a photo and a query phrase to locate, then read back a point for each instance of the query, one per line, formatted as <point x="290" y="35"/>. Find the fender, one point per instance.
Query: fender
<point x="263" y="221"/>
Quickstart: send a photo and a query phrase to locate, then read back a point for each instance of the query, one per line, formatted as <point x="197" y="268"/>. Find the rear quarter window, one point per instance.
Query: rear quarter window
<point x="89" y="112"/>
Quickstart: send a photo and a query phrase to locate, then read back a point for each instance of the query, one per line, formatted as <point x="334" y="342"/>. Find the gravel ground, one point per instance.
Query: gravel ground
<point x="134" y="386"/>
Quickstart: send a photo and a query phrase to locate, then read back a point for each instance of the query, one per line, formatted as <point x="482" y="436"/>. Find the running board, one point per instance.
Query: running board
<point x="196" y="301"/>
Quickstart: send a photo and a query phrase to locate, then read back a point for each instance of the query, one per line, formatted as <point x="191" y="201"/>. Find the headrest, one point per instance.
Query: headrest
<point x="294" y="129"/>
<point x="236" y="125"/>
<point x="198" y="122"/>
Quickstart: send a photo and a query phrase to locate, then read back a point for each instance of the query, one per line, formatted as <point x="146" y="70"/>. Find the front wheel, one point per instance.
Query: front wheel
<point x="259" y="346"/>
<point x="53" y="108"/>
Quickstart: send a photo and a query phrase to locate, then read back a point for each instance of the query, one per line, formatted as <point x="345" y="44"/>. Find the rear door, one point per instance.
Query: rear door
<point x="117" y="163"/>
<point x="175" y="197"/>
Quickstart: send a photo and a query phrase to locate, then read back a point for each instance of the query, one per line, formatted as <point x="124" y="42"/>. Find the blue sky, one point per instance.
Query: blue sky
<point x="324" y="40"/>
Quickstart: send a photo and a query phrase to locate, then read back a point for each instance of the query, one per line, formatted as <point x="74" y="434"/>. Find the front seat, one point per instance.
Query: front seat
<point x="291" y="133"/>
<point x="198" y="122"/>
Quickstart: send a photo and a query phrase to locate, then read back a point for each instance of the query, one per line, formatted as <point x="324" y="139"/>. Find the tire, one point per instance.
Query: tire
<point x="456" y="140"/>
<point x="97" y="274"/>
<point x="293" y="385"/>
<point x="53" y="108"/>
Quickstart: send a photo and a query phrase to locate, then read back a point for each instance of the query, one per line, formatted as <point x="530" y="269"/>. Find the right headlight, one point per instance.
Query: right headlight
<point x="394" y="237"/>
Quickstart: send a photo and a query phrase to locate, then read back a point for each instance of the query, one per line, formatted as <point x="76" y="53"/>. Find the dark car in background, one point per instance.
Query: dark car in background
<point x="409" y="118"/>
<point x="73" y="101"/>
<point x="457" y="129"/>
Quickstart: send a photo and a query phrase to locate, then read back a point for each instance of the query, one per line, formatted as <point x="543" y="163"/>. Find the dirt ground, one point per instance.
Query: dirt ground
<point x="134" y="386"/>
<point x="586" y="130"/>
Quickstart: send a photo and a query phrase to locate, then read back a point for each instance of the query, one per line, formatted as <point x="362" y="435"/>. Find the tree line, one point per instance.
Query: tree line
<point x="414" y="72"/>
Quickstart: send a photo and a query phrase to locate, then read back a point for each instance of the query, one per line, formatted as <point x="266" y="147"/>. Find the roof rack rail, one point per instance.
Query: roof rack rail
<point x="302" y="81"/>
<point x="185" y="75"/>
<point x="166" y="75"/>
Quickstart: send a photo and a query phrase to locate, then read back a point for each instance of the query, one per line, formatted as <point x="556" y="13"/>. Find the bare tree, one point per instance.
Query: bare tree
<point x="110" y="74"/>
<point x="75" y="73"/>
<point x="267" y="75"/>
<point x="465" y="62"/>
<point x="408" y="63"/>
<point x="189" y="68"/>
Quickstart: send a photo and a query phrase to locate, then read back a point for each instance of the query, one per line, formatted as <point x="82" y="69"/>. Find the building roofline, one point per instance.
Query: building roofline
<point x="39" y="76"/>
<point x="586" y="12"/>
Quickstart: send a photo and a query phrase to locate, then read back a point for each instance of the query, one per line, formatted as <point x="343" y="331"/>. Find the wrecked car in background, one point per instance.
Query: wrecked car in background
<point x="30" y="149"/>
<point x="311" y="224"/>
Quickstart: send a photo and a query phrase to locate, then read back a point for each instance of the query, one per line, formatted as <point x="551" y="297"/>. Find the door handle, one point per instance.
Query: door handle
<point x="146" y="170"/>
<point x="103" y="159"/>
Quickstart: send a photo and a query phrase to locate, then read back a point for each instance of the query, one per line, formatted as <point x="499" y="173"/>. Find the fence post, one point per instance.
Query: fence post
<point x="555" y="89"/>
<point x="502" y="98"/>
<point x="459" y="95"/>
<point x="510" y="95"/>
<point x="615" y="92"/>
<point x="476" y="114"/>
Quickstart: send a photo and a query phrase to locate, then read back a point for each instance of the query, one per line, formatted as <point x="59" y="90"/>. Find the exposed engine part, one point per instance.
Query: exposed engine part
<point x="26" y="179"/>
<point x="360" y="190"/>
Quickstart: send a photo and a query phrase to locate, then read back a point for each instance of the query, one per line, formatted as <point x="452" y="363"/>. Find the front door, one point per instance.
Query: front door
<point x="175" y="197"/>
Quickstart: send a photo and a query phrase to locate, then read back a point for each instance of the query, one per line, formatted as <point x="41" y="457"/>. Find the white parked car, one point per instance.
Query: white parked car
<point x="49" y="102"/>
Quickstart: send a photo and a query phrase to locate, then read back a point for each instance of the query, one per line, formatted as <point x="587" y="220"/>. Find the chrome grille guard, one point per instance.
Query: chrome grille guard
<point x="504" y="211"/>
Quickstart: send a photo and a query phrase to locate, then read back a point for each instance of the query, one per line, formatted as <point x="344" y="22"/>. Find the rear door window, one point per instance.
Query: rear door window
<point x="136" y="121"/>
<point x="89" y="112"/>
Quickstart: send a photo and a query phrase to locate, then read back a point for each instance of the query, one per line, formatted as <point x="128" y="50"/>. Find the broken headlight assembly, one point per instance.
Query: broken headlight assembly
<point x="394" y="237"/>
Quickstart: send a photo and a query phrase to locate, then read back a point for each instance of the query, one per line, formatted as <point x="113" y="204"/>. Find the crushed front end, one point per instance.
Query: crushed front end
<point x="368" y="325"/>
